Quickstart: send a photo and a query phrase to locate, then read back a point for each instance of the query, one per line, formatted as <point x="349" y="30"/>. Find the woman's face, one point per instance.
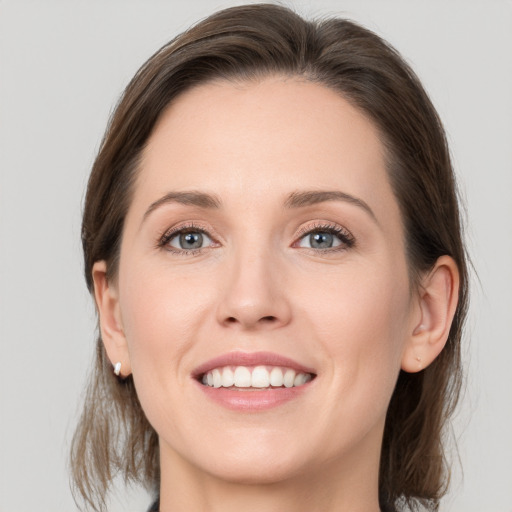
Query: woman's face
<point x="263" y="233"/>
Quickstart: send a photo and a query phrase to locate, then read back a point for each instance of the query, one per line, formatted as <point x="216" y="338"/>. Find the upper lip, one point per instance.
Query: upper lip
<point x="238" y="358"/>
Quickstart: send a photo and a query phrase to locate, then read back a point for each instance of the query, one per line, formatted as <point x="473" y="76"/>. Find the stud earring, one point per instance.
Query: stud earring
<point x="117" y="368"/>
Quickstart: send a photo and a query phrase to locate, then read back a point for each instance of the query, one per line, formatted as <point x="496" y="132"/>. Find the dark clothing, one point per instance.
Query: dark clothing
<point x="155" y="506"/>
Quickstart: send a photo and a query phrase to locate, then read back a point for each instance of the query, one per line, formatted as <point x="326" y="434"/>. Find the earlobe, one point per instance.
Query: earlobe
<point x="437" y="303"/>
<point x="112" y="333"/>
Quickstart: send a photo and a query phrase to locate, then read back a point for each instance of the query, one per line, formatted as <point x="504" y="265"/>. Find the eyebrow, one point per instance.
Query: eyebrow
<point x="294" y="200"/>
<point x="192" y="198"/>
<point x="312" y="197"/>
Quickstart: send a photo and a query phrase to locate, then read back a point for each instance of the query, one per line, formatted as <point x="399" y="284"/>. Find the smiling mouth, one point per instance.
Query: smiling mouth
<point x="254" y="378"/>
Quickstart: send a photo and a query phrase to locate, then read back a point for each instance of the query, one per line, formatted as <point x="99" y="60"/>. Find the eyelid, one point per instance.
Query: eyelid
<point x="346" y="237"/>
<point x="189" y="226"/>
<point x="348" y="240"/>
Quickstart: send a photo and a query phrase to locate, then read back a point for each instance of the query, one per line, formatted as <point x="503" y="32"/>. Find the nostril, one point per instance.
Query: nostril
<point x="264" y="319"/>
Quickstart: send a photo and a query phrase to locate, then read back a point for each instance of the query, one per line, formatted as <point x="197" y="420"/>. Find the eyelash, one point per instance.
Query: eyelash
<point x="167" y="236"/>
<point x="344" y="235"/>
<point x="346" y="238"/>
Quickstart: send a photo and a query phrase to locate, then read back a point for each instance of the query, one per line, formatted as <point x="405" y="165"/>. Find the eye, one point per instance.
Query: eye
<point x="325" y="238"/>
<point x="320" y="240"/>
<point x="190" y="240"/>
<point x="187" y="239"/>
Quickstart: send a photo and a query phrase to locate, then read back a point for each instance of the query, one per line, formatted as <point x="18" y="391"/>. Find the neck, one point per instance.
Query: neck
<point x="330" y="488"/>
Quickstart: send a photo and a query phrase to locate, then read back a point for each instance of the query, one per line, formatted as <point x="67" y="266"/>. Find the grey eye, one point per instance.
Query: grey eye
<point x="320" y="240"/>
<point x="190" y="240"/>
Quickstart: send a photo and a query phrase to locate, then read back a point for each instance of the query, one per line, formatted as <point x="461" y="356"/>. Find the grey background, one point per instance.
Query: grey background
<point x="63" y="65"/>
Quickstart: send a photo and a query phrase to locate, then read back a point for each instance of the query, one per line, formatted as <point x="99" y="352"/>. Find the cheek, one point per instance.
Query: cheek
<point x="161" y="318"/>
<point x="362" y="333"/>
<point x="161" y="314"/>
<point x="361" y="319"/>
<point x="361" y="302"/>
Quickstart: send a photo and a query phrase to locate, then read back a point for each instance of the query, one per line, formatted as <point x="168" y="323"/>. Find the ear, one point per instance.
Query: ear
<point x="107" y="305"/>
<point x="437" y="301"/>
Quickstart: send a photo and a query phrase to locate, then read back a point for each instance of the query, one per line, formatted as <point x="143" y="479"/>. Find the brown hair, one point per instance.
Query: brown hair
<point x="248" y="43"/>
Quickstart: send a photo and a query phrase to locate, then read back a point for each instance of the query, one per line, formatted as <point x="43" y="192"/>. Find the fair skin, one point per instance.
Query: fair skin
<point x="269" y="266"/>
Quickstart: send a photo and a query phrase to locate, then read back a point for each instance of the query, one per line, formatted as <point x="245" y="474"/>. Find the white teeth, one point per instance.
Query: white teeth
<point x="242" y="377"/>
<point x="276" y="377"/>
<point x="217" y="378"/>
<point x="228" y="379"/>
<point x="289" y="378"/>
<point x="300" y="379"/>
<point x="258" y="377"/>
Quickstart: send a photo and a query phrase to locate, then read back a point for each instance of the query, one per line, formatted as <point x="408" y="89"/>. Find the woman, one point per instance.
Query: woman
<point x="272" y="236"/>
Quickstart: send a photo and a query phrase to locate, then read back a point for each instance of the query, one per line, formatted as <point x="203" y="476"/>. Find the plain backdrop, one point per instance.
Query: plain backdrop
<point x="63" y="65"/>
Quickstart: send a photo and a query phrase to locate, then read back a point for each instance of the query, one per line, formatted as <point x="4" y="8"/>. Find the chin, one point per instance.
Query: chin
<point x="256" y="471"/>
<point x="248" y="459"/>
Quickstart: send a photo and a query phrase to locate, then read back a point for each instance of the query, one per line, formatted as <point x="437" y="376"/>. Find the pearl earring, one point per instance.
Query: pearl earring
<point x="117" y="368"/>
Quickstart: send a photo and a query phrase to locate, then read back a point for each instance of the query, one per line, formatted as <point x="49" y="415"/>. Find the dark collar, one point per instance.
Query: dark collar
<point x="155" y="506"/>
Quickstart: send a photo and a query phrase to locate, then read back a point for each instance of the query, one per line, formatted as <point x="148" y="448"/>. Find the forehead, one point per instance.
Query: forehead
<point x="255" y="138"/>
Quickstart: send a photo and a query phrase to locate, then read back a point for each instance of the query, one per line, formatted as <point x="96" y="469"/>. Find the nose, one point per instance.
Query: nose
<point x="254" y="293"/>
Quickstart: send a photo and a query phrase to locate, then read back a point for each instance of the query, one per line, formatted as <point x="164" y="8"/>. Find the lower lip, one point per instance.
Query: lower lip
<point x="253" y="400"/>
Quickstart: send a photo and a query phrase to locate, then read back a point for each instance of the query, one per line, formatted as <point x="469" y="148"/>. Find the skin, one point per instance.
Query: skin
<point x="348" y="312"/>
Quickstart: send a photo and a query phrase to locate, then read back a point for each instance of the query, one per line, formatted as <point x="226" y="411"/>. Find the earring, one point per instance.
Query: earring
<point x="117" y="368"/>
<point x="418" y="358"/>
